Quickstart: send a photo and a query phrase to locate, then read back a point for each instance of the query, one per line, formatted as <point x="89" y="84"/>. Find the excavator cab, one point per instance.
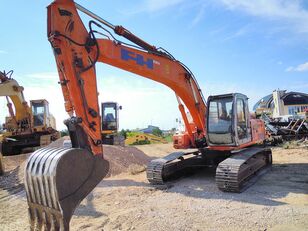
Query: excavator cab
<point x="42" y="119"/>
<point x="228" y="120"/>
<point x="110" y="116"/>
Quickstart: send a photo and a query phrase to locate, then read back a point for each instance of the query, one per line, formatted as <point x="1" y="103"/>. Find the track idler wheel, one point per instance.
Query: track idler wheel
<point x="56" y="181"/>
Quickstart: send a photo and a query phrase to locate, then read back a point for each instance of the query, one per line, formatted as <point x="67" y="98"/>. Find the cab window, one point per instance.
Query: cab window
<point x="38" y="110"/>
<point x="241" y="119"/>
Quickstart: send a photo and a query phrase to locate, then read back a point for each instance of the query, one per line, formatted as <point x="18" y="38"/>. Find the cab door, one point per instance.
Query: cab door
<point x="39" y="113"/>
<point x="241" y="117"/>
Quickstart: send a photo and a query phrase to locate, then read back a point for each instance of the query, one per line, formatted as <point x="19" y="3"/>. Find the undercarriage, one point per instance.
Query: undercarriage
<point x="235" y="171"/>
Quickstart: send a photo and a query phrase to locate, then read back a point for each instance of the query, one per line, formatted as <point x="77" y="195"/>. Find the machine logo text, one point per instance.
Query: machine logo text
<point x="139" y="59"/>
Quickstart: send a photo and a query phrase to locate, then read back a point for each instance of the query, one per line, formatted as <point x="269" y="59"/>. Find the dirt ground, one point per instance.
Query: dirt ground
<point x="278" y="201"/>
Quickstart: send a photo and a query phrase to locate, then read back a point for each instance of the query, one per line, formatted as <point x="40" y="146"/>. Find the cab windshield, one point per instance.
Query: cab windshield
<point x="109" y="117"/>
<point x="220" y="114"/>
<point x="38" y="110"/>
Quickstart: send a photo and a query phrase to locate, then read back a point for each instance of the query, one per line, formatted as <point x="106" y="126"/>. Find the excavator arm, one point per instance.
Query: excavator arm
<point x="57" y="180"/>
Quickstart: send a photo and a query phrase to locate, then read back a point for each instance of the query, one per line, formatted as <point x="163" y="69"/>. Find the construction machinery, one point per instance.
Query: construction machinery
<point x="110" y="124"/>
<point x="220" y="132"/>
<point x="27" y="126"/>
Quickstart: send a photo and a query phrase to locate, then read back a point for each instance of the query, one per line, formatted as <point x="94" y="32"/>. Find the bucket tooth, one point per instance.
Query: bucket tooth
<point x="56" y="181"/>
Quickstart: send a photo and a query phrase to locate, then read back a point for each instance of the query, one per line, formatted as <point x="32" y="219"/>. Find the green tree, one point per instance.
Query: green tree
<point x="124" y="133"/>
<point x="157" y="132"/>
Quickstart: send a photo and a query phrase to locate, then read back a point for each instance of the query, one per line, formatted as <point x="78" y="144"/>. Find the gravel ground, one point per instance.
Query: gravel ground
<point x="278" y="201"/>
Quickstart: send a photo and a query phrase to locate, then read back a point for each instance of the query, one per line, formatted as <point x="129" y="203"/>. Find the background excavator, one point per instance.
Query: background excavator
<point x="110" y="124"/>
<point x="27" y="126"/>
<point x="220" y="132"/>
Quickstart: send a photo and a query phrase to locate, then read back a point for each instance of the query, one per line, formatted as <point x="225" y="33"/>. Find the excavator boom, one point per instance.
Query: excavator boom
<point x="9" y="87"/>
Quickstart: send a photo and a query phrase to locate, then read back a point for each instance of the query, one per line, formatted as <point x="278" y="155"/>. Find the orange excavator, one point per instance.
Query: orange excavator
<point x="220" y="132"/>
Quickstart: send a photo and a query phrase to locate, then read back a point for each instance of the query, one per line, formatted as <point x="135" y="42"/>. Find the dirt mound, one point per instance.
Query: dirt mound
<point x="121" y="158"/>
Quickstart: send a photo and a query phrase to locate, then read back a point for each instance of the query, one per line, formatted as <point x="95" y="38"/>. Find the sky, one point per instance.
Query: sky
<point x="251" y="47"/>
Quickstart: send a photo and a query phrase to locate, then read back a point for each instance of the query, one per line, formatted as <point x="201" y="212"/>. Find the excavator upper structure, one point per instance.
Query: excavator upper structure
<point x="218" y="133"/>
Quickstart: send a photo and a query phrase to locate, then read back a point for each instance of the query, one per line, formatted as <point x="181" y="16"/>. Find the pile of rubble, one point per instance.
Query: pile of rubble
<point x="294" y="128"/>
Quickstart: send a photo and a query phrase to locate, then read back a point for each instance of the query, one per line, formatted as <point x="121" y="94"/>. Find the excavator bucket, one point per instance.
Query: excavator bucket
<point x="56" y="181"/>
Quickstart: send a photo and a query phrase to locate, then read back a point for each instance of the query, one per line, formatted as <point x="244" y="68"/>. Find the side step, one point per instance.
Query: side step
<point x="241" y="170"/>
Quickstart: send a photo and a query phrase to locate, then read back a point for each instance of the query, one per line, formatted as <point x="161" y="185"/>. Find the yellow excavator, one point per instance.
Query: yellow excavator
<point x="26" y="126"/>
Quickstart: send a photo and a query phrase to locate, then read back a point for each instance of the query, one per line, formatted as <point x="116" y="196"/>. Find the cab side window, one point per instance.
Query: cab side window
<point x="241" y="119"/>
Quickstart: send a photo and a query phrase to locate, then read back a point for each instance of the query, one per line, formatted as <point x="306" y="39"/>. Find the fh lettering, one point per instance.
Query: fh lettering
<point x="139" y="59"/>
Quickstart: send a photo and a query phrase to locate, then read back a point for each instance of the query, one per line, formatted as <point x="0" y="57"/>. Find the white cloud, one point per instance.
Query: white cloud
<point x="285" y="15"/>
<point x="44" y="75"/>
<point x="152" y="6"/>
<point x="156" y="5"/>
<point x="53" y="95"/>
<point x="199" y="15"/>
<point x="300" y="68"/>
<point x="142" y="107"/>
<point x="143" y="101"/>
<point x="3" y="110"/>
<point x="239" y="33"/>
<point x="290" y="12"/>
<point x="288" y="69"/>
<point x="298" y="86"/>
<point x="216" y="88"/>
